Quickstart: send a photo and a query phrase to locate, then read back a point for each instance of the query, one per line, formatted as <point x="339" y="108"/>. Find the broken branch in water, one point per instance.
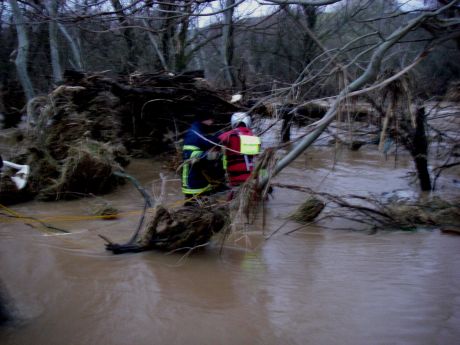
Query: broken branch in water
<point x="387" y="213"/>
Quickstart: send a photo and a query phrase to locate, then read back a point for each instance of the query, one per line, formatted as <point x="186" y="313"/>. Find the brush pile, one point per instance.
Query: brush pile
<point x="396" y="213"/>
<point x="87" y="128"/>
<point x="185" y="228"/>
<point x="392" y="212"/>
<point x="435" y="212"/>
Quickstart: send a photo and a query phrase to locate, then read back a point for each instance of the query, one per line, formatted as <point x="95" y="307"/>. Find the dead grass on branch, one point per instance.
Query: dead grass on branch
<point x="393" y="213"/>
<point x="249" y="198"/>
<point x="106" y="211"/>
<point x="399" y="214"/>
<point x="308" y="210"/>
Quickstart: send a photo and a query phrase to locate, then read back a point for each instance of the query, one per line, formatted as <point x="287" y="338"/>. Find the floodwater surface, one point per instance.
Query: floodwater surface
<point x="317" y="285"/>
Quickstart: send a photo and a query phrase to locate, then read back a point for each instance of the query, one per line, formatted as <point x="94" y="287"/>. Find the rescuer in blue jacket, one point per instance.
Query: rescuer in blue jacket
<point x="200" y="157"/>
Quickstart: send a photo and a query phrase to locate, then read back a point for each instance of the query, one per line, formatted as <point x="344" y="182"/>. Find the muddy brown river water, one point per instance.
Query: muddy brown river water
<point x="318" y="285"/>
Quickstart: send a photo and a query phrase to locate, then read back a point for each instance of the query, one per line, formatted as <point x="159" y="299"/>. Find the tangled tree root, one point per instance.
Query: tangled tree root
<point x="185" y="228"/>
<point x="87" y="169"/>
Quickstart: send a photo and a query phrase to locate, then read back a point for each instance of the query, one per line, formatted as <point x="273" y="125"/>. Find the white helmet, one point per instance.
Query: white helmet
<point x="240" y="117"/>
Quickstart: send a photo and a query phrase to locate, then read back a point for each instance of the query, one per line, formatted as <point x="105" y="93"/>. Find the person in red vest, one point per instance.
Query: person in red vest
<point x="241" y="146"/>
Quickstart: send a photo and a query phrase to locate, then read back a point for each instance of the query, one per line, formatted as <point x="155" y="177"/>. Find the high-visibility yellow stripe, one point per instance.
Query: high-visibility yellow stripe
<point x="195" y="190"/>
<point x="195" y="154"/>
<point x="191" y="147"/>
<point x="185" y="171"/>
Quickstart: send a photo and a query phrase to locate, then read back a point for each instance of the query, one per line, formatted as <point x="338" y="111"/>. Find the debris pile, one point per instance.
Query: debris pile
<point x="87" y="169"/>
<point x="381" y="212"/>
<point x="435" y="212"/>
<point x="185" y="228"/>
<point x="87" y="128"/>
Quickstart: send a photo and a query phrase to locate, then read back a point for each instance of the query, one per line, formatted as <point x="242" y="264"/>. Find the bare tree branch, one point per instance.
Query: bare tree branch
<point x="371" y="71"/>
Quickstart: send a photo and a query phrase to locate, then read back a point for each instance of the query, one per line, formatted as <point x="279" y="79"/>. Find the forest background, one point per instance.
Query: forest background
<point x="301" y="49"/>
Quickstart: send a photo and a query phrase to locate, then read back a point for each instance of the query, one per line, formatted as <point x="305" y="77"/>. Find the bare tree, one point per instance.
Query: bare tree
<point x="379" y="54"/>
<point x="228" y="43"/>
<point x="128" y="35"/>
<point x="52" y="7"/>
<point x="21" y="60"/>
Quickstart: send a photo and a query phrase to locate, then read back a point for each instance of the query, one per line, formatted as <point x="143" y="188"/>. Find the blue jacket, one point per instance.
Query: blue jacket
<point x="191" y="138"/>
<point x="194" y="180"/>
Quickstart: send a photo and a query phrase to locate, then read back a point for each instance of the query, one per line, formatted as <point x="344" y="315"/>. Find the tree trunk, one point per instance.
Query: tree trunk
<point x="74" y="48"/>
<point x="128" y="35"/>
<point x="54" y="49"/>
<point x="23" y="50"/>
<point x="180" y="60"/>
<point x="420" y="151"/>
<point x="155" y="46"/>
<point x="286" y="126"/>
<point x="311" y="16"/>
<point x="228" y="43"/>
<point x="415" y="141"/>
<point x="168" y="29"/>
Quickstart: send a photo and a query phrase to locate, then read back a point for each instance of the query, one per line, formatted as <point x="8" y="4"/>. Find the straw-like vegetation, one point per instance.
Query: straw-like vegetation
<point x="308" y="210"/>
<point x="106" y="211"/>
<point x="251" y="195"/>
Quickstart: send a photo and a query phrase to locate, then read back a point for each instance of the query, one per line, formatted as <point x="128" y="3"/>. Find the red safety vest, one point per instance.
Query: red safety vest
<point x="237" y="165"/>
